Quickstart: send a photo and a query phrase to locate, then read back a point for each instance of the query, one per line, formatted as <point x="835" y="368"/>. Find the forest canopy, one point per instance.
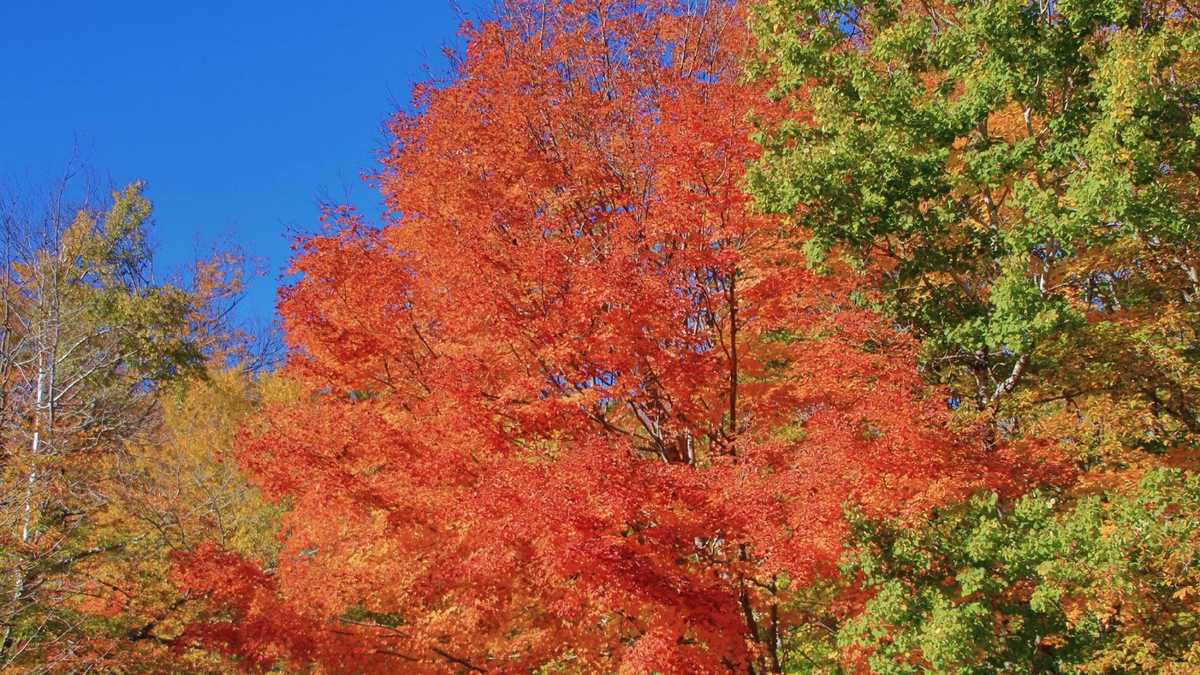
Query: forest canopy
<point x="775" y="336"/>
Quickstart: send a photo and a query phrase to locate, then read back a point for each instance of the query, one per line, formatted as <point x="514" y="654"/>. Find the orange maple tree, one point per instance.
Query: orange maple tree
<point x="573" y="404"/>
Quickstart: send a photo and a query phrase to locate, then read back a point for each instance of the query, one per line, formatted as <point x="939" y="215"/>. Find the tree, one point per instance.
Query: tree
<point x="175" y="489"/>
<point x="84" y="335"/>
<point x="1107" y="585"/>
<point x="1019" y="178"/>
<point x="573" y="406"/>
<point x="100" y="478"/>
<point x="1016" y="180"/>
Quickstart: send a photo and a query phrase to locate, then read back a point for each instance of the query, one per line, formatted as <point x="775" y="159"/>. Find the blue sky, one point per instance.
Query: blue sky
<point x="241" y="115"/>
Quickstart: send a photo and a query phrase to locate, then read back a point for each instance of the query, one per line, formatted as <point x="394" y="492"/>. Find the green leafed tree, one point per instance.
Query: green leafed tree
<point x="1110" y="584"/>
<point x="1021" y="178"/>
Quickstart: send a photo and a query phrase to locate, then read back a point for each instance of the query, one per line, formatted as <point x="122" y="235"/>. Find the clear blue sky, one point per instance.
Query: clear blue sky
<point x="240" y="114"/>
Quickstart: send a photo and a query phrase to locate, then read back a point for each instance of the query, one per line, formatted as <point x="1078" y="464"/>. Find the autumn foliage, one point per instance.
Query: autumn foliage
<point x="776" y="336"/>
<point x="573" y="404"/>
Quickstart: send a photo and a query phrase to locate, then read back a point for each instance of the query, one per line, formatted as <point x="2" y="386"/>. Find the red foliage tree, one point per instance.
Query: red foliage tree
<point x="574" y="403"/>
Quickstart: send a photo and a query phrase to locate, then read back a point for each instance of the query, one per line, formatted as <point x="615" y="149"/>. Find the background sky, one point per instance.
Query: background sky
<point x="241" y="115"/>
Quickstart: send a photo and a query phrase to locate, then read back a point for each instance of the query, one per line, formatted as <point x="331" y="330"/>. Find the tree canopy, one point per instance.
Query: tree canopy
<point x="804" y="336"/>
